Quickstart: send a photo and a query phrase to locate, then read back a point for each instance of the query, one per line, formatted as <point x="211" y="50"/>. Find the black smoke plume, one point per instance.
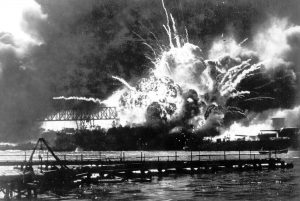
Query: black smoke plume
<point x="86" y="42"/>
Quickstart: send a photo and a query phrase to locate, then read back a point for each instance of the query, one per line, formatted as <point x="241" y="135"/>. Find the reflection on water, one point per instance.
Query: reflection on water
<point x="253" y="185"/>
<point x="264" y="185"/>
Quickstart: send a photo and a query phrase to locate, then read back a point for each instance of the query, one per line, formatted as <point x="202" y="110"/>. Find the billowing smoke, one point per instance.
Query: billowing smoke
<point x="226" y="87"/>
<point x="276" y="46"/>
<point x="20" y="89"/>
<point x="213" y="63"/>
<point x="292" y="116"/>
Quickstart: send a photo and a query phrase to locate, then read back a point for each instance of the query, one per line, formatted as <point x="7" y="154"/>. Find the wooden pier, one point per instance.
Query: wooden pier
<point x="38" y="174"/>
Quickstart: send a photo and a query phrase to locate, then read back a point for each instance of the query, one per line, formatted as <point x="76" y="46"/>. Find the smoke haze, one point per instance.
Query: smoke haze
<point x="73" y="48"/>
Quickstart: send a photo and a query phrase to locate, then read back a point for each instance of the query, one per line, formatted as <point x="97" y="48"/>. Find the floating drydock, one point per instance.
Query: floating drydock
<point x="36" y="176"/>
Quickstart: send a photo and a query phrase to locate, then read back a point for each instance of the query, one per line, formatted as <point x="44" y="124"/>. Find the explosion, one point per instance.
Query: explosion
<point x="162" y="94"/>
<point x="202" y="93"/>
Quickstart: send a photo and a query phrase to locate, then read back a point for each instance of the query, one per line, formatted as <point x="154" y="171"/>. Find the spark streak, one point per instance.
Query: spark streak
<point x="124" y="82"/>
<point x="95" y="100"/>
<point x="259" y="98"/>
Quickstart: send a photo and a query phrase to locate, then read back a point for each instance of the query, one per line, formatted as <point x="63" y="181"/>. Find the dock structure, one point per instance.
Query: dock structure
<point x="36" y="175"/>
<point x="171" y="161"/>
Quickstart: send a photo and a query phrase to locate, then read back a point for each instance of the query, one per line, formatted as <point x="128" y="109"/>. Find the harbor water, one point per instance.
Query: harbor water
<point x="266" y="184"/>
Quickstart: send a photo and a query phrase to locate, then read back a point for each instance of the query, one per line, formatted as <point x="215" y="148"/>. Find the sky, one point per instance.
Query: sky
<point x="52" y="48"/>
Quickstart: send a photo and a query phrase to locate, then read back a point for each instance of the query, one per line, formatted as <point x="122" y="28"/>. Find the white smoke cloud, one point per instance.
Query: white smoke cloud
<point x="15" y="30"/>
<point x="17" y="34"/>
<point x="272" y="44"/>
<point x="275" y="43"/>
<point x="292" y="116"/>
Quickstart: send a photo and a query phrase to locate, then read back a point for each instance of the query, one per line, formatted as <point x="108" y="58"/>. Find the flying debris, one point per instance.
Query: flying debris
<point x="184" y="86"/>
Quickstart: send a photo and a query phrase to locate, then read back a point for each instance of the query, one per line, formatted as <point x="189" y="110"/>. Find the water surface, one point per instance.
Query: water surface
<point x="252" y="185"/>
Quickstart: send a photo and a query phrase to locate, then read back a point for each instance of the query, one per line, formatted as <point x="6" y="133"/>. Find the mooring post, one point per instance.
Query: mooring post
<point x="28" y="192"/>
<point x="11" y="192"/>
<point x="143" y="174"/>
<point x="25" y="156"/>
<point x="47" y="160"/>
<point x="6" y="197"/>
<point x="175" y="155"/>
<point x="239" y="154"/>
<point x="141" y="156"/>
<point x="123" y="156"/>
<point x="41" y="160"/>
<point x="18" y="192"/>
<point x="224" y="155"/>
<point x="250" y="155"/>
<point x="199" y="156"/>
<point x="191" y="155"/>
<point x="35" y="193"/>
<point x="157" y="158"/>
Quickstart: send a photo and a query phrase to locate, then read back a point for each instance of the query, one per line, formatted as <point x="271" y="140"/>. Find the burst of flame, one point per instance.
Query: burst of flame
<point x="180" y="68"/>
